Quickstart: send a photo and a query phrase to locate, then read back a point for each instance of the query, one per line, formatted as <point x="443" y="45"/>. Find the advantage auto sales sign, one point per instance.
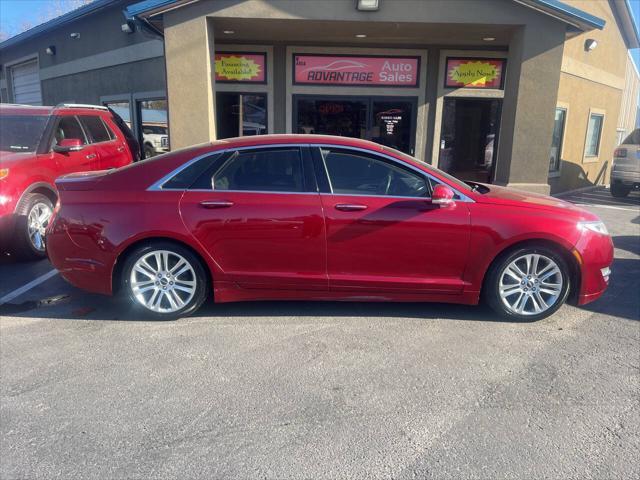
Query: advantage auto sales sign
<point x="376" y="71"/>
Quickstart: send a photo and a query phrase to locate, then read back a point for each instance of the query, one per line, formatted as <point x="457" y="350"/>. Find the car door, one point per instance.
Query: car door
<point x="383" y="233"/>
<point x="111" y="150"/>
<point x="258" y="213"/>
<point x="68" y="127"/>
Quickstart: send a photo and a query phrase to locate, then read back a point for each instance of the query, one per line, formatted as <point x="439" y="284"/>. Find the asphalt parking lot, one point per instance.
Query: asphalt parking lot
<point x="322" y="390"/>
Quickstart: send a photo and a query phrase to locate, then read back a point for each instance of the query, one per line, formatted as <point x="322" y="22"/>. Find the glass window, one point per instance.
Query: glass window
<point x="557" y="139"/>
<point x="68" y="127"/>
<point x="241" y="114"/>
<point x="153" y="127"/>
<point x="273" y="170"/>
<point x="594" y="129"/>
<point x="21" y="133"/>
<point x="187" y="177"/>
<point x="357" y="174"/>
<point x="96" y="128"/>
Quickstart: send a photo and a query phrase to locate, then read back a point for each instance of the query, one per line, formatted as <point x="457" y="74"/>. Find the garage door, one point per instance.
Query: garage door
<point x="26" y="83"/>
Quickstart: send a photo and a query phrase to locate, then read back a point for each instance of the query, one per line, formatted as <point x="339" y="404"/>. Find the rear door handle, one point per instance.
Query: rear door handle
<point x="121" y="149"/>
<point x="350" y="207"/>
<point x="91" y="156"/>
<point x="216" y="204"/>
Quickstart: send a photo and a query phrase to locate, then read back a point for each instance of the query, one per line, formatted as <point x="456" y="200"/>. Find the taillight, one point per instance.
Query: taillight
<point x="4" y="173"/>
<point x="620" y="152"/>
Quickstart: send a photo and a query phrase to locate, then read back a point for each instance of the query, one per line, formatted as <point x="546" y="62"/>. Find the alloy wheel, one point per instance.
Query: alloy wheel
<point x="37" y="222"/>
<point x="531" y="284"/>
<point x="163" y="281"/>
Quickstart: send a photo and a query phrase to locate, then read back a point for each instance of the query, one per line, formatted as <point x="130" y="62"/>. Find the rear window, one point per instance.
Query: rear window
<point x="21" y="133"/>
<point x="96" y="128"/>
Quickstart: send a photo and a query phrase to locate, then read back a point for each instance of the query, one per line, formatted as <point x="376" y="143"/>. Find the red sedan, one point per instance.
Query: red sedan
<point x="319" y="218"/>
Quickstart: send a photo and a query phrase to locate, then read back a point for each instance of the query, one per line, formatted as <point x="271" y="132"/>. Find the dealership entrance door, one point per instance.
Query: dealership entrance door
<point x="390" y="121"/>
<point x="469" y="138"/>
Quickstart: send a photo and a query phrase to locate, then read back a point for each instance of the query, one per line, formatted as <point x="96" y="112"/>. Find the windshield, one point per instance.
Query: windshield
<point x="21" y="133"/>
<point x="453" y="180"/>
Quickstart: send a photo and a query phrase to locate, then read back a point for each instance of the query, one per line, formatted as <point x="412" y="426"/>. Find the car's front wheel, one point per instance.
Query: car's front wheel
<point x="619" y="190"/>
<point x="164" y="280"/>
<point x="34" y="213"/>
<point x="528" y="284"/>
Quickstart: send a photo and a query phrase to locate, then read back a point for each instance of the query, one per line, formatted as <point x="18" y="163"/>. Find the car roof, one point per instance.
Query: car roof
<point x="284" y="139"/>
<point x="68" y="109"/>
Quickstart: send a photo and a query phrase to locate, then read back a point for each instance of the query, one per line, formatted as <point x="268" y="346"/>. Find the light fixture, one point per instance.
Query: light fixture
<point x="590" y="44"/>
<point x="128" y="27"/>
<point x="367" y="5"/>
<point x="488" y="39"/>
<point x="75" y="35"/>
<point x="228" y="32"/>
<point x="50" y="50"/>
<point x="361" y="35"/>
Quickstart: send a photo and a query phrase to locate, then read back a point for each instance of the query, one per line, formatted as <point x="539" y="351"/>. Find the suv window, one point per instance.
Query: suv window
<point x="633" y="138"/>
<point x="97" y="129"/>
<point x="354" y="173"/>
<point x="68" y="127"/>
<point x="272" y="170"/>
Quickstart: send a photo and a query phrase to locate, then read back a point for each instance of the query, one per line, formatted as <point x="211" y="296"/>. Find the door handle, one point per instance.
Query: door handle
<point x="216" y="204"/>
<point x="350" y="207"/>
<point x="120" y="149"/>
<point x="91" y="156"/>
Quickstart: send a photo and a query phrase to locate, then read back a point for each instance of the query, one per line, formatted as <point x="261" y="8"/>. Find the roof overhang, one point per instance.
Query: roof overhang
<point x="628" y="23"/>
<point x="574" y="17"/>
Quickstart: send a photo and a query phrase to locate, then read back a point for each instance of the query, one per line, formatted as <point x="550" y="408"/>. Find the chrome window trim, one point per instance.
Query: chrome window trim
<point x="157" y="186"/>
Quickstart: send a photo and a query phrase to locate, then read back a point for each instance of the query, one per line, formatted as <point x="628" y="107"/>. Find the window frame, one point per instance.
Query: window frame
<point x="58" y="119"/>
<point x="265" y="94"/>
<point x="110" y="134"/>
<point x="556" y="172"/>
<point x="375" y="157"/>
<point x="586" y="157"/>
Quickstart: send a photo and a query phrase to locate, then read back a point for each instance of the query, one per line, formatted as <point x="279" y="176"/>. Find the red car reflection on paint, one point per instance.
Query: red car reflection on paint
<point x="319" y="218"/>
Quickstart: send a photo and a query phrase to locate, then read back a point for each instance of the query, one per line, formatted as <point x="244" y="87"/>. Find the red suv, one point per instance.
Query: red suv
<point x="39" y="144"/>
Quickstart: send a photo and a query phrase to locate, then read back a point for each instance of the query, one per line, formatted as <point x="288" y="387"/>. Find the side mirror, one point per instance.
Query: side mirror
<point x="68" y="145"/>
<point x="442" y="195"/>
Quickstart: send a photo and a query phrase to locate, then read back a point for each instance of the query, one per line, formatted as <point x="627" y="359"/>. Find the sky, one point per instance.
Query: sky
<point x="16" y="14"/>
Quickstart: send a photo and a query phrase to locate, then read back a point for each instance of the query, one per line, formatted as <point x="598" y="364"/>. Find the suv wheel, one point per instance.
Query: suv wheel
<point x="528" y="284"/>
<point x="619" y="190"/>
<point x="33" y="215"/>
<point x="164" y="281"/>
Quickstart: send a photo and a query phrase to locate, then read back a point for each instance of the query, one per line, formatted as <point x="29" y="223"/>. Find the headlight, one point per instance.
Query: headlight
<point x="597" y="227"/>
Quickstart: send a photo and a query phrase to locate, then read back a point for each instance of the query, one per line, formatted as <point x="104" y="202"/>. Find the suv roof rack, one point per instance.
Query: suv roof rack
<point x="80" y="105"/>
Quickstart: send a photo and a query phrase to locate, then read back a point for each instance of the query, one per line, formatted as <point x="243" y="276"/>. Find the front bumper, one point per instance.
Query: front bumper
<point x="594" y="253"/>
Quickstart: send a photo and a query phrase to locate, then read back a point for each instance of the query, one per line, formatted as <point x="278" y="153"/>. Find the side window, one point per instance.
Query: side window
<point x="96" y="128"/>
<point x="188" y="175"/>
<point x="68" y="127"/>
<point x="353" y="173"/>
<point x="272" y="170"/>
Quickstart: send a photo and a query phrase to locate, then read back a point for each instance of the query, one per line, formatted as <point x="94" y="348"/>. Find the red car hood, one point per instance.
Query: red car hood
<point x="7" y="159"/>
<point x="521" y="198"/>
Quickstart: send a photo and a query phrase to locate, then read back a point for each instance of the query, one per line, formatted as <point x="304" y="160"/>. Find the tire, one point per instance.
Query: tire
<point x="515" y="305"/>
<point x="184" y="270"/>
<point x="619" y="190"/>
<point x="29" y="229"/>
<point x="149" y="151"/>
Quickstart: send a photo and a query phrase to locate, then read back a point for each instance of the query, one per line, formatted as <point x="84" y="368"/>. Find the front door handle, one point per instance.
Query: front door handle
<point x="91" y="156"/>
<point x="350" y="207"/>
<point x="120" y="149"/>
<point x="216" y="204"/>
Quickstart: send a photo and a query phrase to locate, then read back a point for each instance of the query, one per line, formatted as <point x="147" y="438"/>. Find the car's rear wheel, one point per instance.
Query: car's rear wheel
<point x="33" y="215"/>
<point x="620" y="190"/>
<point x="528" y="284"/>
<point x="164" y="280"/>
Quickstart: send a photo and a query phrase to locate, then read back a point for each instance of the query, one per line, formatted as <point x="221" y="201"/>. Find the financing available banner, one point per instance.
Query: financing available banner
<point x="239" y="67"/>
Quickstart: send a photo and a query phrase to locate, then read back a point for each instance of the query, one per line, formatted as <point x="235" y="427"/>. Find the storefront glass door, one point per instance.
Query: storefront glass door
<point x="389" y="121"/>
<point x="469" y="140"/>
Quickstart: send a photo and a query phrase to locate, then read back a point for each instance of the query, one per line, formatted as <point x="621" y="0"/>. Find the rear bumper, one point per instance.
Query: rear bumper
<point x="627" y="178"/>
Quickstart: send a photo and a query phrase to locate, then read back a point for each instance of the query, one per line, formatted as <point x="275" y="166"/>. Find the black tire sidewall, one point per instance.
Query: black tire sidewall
<point x="141" y="311"/>
<point x="620" y="190"/>
<point x="492" y="286"/>
<point x="22" y="245"/>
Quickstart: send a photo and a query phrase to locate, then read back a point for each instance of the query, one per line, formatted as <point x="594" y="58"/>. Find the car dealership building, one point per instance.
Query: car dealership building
<point x="534" y="94"/>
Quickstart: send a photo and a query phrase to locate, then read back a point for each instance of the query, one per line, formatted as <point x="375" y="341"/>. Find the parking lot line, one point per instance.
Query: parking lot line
<point x="610" y="207"/>
<point x="25" y="288"/>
